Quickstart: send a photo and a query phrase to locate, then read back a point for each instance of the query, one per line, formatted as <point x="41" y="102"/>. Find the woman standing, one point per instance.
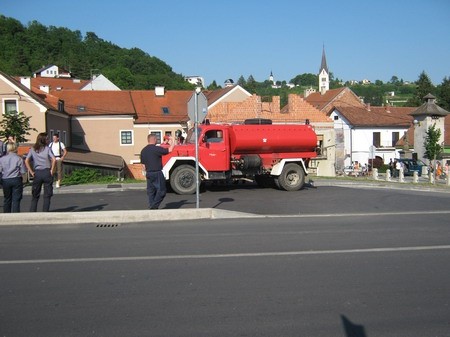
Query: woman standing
<point x="12" y="167"/>
<point x="42" y="171"/>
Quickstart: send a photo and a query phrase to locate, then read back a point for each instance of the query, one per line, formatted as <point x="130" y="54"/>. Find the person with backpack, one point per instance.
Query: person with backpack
<point x="59" y="150"/>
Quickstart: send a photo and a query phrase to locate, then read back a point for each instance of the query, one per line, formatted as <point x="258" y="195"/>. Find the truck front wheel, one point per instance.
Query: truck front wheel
<point x="292" y="178"/>
<point x="182" y="180"/>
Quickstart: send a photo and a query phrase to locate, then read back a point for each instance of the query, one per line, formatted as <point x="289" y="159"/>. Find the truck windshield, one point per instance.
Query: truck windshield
<point x="190" y="139"/>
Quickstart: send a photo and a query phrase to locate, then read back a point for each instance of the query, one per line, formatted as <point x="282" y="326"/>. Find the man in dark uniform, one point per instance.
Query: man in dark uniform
<point x="152" y="166"/>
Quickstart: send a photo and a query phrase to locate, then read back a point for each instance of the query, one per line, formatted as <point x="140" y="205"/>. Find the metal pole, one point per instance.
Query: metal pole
<point x="197" y="181"/>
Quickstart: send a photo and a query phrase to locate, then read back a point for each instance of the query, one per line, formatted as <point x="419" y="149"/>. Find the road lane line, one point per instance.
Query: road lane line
<point x="234" y="255"/>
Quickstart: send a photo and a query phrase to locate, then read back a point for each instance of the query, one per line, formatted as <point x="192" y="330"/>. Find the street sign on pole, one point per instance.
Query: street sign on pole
<point x="197" y="180"/>
<point x="197" y="101"/>
<point x="372" y="151"/>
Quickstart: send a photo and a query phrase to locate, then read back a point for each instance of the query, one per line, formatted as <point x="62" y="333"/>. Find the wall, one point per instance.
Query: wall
<point x="26" y="105"/>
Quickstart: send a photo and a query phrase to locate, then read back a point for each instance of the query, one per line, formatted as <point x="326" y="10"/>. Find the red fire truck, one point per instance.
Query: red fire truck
<point x="266" y="153"/>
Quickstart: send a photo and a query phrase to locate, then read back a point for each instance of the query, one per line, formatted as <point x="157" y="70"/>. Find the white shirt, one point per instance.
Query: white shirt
<point x="55" y="147"/>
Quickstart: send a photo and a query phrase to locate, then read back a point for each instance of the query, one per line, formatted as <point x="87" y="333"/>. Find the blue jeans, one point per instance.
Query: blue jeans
<point x="156" y="188"/>
<point x="41" y="177"/>
<point x="12" y="193"/>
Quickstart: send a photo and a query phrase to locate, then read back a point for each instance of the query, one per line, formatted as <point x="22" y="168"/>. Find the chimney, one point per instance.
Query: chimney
<point x="368" y="106"/>
<point x="45" y="88"/>
<point x="159" y="91"/>
<point x="26" y="81"/>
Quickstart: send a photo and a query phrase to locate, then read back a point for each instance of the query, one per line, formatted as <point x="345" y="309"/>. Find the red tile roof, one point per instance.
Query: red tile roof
<point x="340" y="96"/>
<point x="95" y="103"/>
<point x="149" y="107"/>
<point x="213" y="96"/>
<point x="145" y="105"/>
<point x="377" y="116"/>
<point x="56" y="84"/>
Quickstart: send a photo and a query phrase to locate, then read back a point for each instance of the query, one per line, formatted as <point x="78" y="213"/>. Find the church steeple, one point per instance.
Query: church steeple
<point x="323" y="65"/>
<point x="324" y="77"/>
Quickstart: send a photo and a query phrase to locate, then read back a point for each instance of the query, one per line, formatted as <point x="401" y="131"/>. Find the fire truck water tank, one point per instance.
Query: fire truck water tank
<point x="256" y="139"/>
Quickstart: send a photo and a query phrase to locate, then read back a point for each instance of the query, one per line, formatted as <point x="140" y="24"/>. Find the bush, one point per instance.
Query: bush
<point x="86" y="176"/>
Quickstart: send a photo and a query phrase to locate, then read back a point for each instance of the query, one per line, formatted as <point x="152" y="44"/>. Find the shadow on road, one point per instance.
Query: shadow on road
<point x="177" y="204"/>
<point x="222" y="200"/>
<point x="351" y="329"/>
<point x="84" y="209"/>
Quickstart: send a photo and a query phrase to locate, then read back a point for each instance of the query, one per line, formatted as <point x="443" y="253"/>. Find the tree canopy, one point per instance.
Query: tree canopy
<point x="26" y="49"/>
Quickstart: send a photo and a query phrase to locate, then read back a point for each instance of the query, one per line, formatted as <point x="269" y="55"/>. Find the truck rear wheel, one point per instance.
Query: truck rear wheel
<point x="292" y="178"/>
<point x="182" y="180"/>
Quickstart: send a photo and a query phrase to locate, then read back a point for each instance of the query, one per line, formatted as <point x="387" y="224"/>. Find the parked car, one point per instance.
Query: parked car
<point x="411" y="165"/>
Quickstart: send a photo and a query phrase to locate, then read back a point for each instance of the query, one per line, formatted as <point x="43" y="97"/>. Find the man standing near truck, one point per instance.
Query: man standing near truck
<point x="152" y="166"/>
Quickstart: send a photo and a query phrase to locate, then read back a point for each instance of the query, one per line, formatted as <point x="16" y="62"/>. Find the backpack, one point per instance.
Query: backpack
<point x="60" y="148"/>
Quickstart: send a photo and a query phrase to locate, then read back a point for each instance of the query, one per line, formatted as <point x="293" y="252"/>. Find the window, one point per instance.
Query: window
<point x="158" y="136"/>
<point x="60" y="106"/>
<point x="376" y="139"/>
<point x="395" y="138"/>
<point x="126" y="137"/>
<point x="10" y="106"/>
<point x="336" y="117"/>
<point x="165" y="110"/>
<point x="213" y="136"/>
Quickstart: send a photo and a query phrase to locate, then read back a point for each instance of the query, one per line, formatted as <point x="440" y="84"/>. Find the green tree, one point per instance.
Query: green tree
<point x="16" y="125"/>
<point x="433" y="148"/>
<point x="213" y="86"/>
<point x="25" y="49"/>
<point x="241" y="81"/>
<point x="424" y="87"/>
<point x="306" y="80"/>
<point x="444" y="94"/>
<point x="394" y="80"/>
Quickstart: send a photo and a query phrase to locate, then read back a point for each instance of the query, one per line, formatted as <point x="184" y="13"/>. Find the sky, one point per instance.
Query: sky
<point x="220" y="40"/>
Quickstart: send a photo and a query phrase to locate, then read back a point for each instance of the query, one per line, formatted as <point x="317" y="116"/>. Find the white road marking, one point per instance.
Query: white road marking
<point x="221" y="256"/>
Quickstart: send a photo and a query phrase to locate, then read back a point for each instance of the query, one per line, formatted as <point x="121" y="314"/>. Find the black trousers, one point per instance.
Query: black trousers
<point x="12" y="193"/>
<point x="41" y="177"/>
<point x="156" y="189"/>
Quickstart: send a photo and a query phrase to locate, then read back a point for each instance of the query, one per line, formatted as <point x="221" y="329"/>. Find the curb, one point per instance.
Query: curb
<point x="118" y="217"/>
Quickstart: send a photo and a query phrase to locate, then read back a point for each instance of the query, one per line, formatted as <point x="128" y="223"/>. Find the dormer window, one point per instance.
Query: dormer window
<point x="165" y="110"/>
<point x="61" y="106"/>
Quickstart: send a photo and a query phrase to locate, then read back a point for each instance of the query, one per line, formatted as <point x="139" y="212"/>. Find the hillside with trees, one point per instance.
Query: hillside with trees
<point x="26" y="49"/>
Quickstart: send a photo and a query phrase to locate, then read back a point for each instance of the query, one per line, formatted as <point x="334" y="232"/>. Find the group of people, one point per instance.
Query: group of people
<point x="43" y="160"/>
<point x="395" y="167"/>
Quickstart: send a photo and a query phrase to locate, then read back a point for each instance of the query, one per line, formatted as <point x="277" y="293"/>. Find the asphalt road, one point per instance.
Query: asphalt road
<point x="328" y="261"/>
<point x="347" y="275"/>
<point x="252" y="199"/>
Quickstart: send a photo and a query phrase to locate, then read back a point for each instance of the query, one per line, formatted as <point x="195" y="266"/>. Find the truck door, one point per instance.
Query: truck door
<point x="214" y="151"/>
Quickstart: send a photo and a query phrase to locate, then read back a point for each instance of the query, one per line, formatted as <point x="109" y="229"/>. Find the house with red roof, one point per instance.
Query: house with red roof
<point x="365" y="132"/>
<point x="44" y="116"/>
